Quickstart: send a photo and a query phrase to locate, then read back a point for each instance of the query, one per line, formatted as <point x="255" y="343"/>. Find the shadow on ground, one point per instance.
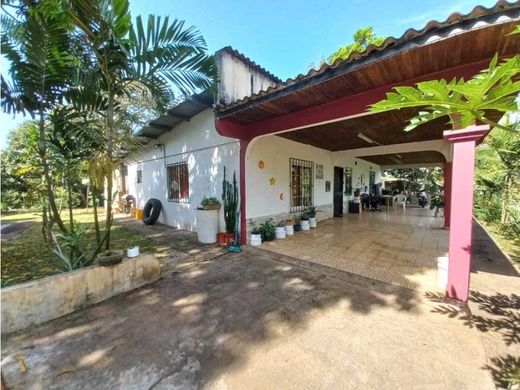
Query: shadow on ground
<point x="498" y="314"/>
<point x="186" y="329"/>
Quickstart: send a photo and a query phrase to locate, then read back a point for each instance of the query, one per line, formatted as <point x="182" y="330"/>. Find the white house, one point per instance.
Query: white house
<point x="185" y="156"/>
<point x="312" y="140"/>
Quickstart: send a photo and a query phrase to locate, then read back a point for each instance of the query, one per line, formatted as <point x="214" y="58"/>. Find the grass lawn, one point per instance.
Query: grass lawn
<point x="508" y="245"/>
<point x="28" y="257"/>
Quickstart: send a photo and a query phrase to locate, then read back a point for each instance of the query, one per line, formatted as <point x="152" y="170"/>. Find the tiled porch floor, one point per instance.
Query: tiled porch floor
<point x="397" y="247"/>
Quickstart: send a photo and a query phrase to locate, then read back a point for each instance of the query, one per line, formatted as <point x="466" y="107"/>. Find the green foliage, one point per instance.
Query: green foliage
<point x="71" y="240"/>
<point x="498" y="180"/>
<point x="21" y="173"/>
<point x="230" y="201"/>
<point x="210" y="203"/>
<point x="363" y="37"/>
<point x="492" y="90"/>
<point x="267" y="229"/>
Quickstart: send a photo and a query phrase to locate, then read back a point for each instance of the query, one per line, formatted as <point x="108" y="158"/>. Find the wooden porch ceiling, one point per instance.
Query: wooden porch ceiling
<point x="408" y="158"/>
<point x="411" y="61"/>
<point x="385" y="128"/>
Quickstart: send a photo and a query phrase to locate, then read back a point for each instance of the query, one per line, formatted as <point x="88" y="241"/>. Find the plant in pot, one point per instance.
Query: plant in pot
<point x="256" y="237"/>
<point x="289" y="227"/>
<point x="132" y="251"/>
<point x="267" y="228"/>
<point x="305" y="222"/>
<point x="311" y="212"/>
<point x="437" y="203"/>
<point x="297" y="223"/>
<point x="230" y="203"/>
<point x="280" y="230"/>
<point x="207" y="220"/>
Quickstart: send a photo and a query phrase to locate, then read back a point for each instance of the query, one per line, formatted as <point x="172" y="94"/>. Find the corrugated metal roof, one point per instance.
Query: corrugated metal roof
<point x="191" y="106"/>
<point x="389" y="43"/>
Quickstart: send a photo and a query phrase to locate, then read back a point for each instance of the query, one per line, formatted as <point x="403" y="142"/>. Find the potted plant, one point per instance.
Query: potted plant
<point x="437" y="203"/>
<point x="132" y="251"/>
<point x="305" y="222"/>
<point x="280" y="230"/>
<point x="311" y="212"/>
<point x="289" y="227"/>
<point x="268" y="230"/>
<point x="297" y="224"/>
<point x="230" y="203"/>
<point x="207" y="220"/>
<point x="256" y="237"/>
<point x="110" y="257"/>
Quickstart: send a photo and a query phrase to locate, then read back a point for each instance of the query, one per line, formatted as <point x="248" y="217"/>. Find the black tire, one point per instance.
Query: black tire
<point x="151" y="211"/>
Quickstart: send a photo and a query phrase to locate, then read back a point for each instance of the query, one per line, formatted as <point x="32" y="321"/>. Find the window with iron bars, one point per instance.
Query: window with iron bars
<point x="302" y="182"/>
<point x="178" y="182"/>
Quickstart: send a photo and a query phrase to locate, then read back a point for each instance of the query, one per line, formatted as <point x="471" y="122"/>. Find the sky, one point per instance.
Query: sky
<point x="287" y="36"/>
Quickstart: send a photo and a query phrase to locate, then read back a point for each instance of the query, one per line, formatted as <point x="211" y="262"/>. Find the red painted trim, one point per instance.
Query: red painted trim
<point x="335" y="109"/>
<point x="243" y="217"/>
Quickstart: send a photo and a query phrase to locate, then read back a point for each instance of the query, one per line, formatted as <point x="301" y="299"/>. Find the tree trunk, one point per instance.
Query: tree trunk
<point x="110" y="145"/>
<point x="71" y="214"/>
<point x="47" y="175"/>
<point x="96" y="220"/>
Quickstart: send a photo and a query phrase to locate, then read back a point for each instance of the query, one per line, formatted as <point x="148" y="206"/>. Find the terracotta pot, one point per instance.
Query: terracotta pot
<point x="225" y="238"/>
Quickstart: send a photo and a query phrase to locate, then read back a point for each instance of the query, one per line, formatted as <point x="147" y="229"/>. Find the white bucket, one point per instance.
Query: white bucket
<point x="312" y="223"/>
<point x="305" y="225"/>
<point x="207" y="226"/>
<point x="442" y="266"/>
<point x="255" y="239"/>
<point x="280" y="232"/>
<point x="132" y="252"/>
<point x="289" y="230"/>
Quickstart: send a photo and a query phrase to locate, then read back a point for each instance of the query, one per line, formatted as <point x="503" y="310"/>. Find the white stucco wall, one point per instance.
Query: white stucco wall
<point x="238" y="79"/>
<point x="206" y="152"/>
<point x="263" y="198"/>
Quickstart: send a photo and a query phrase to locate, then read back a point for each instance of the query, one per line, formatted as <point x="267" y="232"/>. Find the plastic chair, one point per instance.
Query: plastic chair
<point x="400" y="200"/>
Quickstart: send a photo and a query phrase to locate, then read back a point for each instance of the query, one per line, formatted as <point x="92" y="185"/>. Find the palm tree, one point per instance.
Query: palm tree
<point x="155" y="59"/>
<point x="41" y="65"/>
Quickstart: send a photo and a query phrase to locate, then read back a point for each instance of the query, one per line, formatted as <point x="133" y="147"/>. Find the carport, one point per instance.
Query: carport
<point x="327" y="108"/>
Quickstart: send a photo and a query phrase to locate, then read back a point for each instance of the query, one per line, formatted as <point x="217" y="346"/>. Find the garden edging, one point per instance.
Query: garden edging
<point x="38" y="301"/>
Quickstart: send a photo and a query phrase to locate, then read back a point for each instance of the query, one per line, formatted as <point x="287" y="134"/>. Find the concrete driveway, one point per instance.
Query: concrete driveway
<point x="255" y="320"/>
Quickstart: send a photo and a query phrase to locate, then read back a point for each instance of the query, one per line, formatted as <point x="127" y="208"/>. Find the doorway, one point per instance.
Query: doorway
<point x="338" y="191"/>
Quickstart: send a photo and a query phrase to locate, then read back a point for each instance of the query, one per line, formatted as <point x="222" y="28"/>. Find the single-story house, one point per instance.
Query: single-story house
<point x="311" y="140"/>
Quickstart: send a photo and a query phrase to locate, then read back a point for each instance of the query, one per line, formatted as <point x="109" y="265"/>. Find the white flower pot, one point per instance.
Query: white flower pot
<point x="305" y="225"/>
<point x="312" y="222"/>
<point x="280" y="232"/>
<point x="442" y="266"/>
<point x="289" y="230"/>
<point x="132" y="252"/>
<point x="207" y="226"/>
<point x="255" y="239"/>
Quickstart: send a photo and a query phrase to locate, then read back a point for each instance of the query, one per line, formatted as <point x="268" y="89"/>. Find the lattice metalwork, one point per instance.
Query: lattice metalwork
<point x="302" y="174"/>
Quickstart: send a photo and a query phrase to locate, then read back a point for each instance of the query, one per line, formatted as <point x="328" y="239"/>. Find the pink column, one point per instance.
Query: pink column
<point x="447" y="194"/>
<point x="243" y="219"/>
<point x="461" y="208"/>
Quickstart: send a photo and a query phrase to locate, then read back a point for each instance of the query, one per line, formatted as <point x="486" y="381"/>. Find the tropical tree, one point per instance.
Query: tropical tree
<point x="498" y="178"/>
<point x="362" y="38"/>
<point x="154" y="59"/>
<point x="39" y="49"/>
